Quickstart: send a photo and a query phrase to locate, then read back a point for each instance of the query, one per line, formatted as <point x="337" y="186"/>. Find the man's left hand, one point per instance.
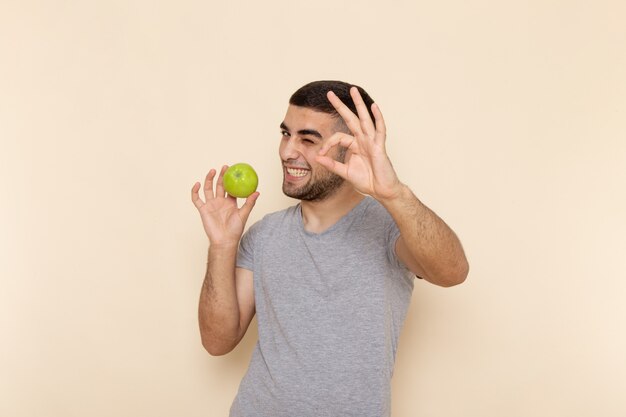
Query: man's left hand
<point x="367" y="166"/>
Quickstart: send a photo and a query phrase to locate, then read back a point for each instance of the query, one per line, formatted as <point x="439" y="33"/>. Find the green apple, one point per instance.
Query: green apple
<point x="240" y="180"/>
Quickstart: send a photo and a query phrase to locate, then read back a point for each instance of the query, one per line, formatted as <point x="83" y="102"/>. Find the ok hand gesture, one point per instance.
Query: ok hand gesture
<point x="223" y="221"/>
<point x="367" y="166"/>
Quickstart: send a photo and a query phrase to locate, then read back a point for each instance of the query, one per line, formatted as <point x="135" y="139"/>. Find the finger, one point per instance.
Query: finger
<point x="208" y="185"/>
<point x="381" y="128"/>
<point x="333" y="166"/>
<point x="219" y="190"/>
<point x="337" y="139"/>
<point x="248" y="205"/>
<point x="351" y="120"/>
<point x="195" y="198"/>
<point x="367" y="125"/>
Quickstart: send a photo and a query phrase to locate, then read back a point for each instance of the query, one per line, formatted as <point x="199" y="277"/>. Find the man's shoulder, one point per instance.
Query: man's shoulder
<point x="279" y="215"/>
<point x="275" y="219"/>
<point x="375" y="210"/>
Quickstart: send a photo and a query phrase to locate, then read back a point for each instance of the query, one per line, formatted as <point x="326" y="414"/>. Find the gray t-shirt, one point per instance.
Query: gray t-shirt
<point x="329" y="308"/>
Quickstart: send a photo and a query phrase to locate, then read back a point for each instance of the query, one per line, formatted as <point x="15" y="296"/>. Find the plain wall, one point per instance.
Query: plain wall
<point x="506" y="118"/>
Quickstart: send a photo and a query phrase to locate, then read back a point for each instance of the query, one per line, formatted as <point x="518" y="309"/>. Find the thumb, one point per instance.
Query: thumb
<point x="248" y="205"/>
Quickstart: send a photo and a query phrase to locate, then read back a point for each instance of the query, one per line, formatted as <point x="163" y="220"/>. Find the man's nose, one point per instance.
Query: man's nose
<point x="289" y="149"/>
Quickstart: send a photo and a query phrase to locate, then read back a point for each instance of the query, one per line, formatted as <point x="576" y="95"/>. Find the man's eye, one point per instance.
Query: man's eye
<point x="305" y="140"/>
<point x="284" y="133"/>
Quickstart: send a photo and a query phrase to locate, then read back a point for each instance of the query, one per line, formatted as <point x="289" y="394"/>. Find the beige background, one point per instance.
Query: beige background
<point x="506" y="118"/>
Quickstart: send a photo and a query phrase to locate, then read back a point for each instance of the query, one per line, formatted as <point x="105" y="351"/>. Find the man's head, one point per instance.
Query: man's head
<point x="313" y="96"/>
<point x="310" y="120"/>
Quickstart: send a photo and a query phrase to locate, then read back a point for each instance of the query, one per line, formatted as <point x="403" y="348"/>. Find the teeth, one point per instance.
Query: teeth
<point x="296" y="172"/>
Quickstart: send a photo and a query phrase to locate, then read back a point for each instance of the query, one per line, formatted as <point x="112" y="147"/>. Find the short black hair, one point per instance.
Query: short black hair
<point x="313" y="96"/>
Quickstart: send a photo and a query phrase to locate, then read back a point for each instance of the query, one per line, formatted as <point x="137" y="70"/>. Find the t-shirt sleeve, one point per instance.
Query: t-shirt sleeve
<point x="392" y="234"/>
<point x="245" y="255"/>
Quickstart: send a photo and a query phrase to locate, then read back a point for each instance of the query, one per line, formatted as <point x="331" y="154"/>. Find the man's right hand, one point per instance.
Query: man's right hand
<point x="223" y="221"/>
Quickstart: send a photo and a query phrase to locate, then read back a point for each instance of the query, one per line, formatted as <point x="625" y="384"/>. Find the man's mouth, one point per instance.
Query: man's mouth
<point x="297" y="172"/>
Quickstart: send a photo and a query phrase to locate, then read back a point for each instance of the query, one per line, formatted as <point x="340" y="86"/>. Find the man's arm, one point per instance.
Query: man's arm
<point x="427" y="246"/>
<point x="226" y="304"/>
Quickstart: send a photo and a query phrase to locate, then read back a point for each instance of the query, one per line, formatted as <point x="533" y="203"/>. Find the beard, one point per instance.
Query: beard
<point x="320" y="186"/>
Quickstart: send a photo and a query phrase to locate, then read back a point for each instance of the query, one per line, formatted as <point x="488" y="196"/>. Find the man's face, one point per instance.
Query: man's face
<point x="303" y="133"/>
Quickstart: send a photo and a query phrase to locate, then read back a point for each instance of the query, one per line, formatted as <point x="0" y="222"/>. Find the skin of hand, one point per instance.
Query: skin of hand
<point x="223" y="221"/>
<point x="367" y="166"/>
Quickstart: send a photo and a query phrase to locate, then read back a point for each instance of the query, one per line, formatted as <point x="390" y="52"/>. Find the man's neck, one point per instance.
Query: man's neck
<point x="318" y="216"/>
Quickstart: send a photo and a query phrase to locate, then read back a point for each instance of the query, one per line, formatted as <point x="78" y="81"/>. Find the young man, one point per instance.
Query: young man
<point x="330" y="278"/>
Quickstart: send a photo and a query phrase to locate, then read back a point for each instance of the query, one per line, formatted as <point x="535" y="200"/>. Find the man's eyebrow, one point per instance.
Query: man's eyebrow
<point x="310" y="132"/>
<point x="303" y="132"/>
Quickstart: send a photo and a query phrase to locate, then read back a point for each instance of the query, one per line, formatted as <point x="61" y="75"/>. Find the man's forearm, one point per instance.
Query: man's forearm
<point x="432" y="245"/>
<point x="218" y="310"/>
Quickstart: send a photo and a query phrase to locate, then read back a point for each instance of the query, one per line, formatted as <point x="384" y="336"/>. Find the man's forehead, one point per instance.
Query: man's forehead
<point x="298" y="118"/>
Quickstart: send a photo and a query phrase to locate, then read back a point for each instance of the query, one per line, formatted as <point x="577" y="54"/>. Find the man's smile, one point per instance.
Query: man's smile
<point x="297" y="172"/>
